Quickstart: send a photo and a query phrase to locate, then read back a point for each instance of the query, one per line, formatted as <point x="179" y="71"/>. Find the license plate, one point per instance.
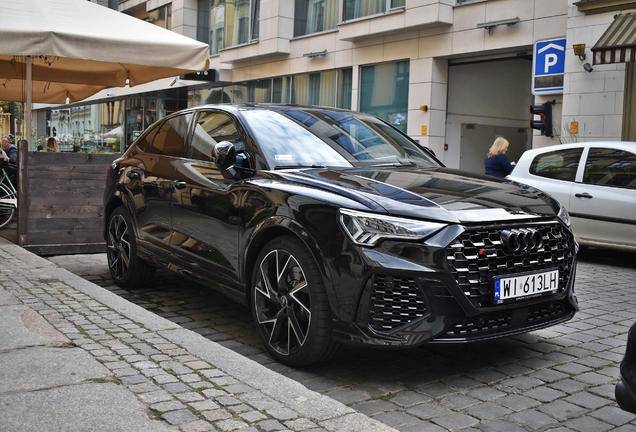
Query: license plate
<point x="528" y="285"/>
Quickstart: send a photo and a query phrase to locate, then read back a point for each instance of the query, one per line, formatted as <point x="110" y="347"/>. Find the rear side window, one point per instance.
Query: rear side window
<point x="558" y="165"/>
<point x="610" y="167"/>
<point x="169" y="138"/>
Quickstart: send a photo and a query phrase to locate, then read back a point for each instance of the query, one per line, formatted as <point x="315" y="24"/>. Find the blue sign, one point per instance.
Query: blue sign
<point x="548" y="66"/>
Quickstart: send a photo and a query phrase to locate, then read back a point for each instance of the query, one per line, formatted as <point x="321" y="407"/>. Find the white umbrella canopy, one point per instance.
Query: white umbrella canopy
<point x="77" y="48"/>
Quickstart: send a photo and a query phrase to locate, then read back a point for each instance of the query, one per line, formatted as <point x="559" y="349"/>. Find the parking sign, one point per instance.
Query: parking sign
<point x="548" y="66"/>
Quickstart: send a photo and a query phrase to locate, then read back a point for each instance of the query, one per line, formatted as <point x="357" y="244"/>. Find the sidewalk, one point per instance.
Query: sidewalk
<point x="76" y="357"/>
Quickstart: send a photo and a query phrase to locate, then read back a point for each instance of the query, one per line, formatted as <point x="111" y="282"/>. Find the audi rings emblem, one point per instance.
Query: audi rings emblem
<point x="522" y="240"/>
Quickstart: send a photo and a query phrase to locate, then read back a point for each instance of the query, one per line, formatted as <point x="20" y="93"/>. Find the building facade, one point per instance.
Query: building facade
<point x="452" y="74"/>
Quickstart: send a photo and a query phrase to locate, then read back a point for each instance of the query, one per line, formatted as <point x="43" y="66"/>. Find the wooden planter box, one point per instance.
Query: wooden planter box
<point x="60" y="202"/>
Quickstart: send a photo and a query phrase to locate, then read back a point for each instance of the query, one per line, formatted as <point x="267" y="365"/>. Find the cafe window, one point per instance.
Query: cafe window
<point x="328" y="88"/>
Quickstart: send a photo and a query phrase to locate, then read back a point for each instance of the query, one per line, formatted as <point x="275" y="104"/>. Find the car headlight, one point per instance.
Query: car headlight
<point x="564" y="215"/>
<point x="367" y="229"/>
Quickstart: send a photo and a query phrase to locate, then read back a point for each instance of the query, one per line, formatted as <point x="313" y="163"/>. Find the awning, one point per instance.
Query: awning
<point x="618" y="43"/>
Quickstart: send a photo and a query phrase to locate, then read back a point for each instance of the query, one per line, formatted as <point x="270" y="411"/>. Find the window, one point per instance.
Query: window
<point x="353" y="9"/>
<point x="610" y="167"/>
<point x="161" y="17"/>
<point x="384" y="92"/>
<point x="238" y="14"/>
<point x="222" y="23"/>
<point x="345" y="88"/>
<point x="169" y="138"/>
<point x="558" y="165"/>
<point x="313" y="16"/>
<point x="253" y="91"/>
<point x="314" y="89"/>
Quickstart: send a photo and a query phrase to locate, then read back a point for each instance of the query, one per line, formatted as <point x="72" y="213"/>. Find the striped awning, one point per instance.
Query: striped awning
<point x="618" y="43"/>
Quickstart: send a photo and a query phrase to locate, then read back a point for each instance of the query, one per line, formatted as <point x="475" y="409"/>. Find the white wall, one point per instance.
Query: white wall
<point x="593" y="99"/>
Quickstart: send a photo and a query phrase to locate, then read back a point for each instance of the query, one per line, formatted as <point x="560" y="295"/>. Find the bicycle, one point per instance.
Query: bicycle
<point x="8" y="198"/>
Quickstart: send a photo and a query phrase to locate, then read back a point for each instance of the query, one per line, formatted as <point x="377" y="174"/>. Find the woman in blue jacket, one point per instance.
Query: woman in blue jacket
<point x="497" y="163"/>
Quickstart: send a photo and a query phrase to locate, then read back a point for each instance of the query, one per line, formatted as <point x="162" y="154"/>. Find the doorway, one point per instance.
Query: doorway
<point x="476" y="139"/>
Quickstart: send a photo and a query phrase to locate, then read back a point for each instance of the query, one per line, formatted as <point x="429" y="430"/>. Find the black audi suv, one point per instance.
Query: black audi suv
<point x="335" y="228"/>
<point x="625" y="389"/>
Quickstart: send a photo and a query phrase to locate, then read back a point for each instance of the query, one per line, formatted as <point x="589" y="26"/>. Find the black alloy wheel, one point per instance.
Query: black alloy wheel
<point x="125" y="267"/>
<point x="290" y="305"/>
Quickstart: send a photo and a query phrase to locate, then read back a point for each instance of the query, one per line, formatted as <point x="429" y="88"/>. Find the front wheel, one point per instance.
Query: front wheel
<point x="290" y="305"/>
<point x="126" y="268"/>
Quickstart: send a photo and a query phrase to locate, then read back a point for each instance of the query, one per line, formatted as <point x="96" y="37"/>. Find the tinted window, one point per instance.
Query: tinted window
<point x="213" y="127"/>
<point x="170" y="137"/>
<point x="610" y="167"/>
<point x="144" y="143"/>
<point x="558" y="165"/>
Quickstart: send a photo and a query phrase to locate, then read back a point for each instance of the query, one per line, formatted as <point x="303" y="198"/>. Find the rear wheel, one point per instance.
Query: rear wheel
<point x="8" y="203"/>
<point x="126" y="268"/>
<point x="290" y="305"/>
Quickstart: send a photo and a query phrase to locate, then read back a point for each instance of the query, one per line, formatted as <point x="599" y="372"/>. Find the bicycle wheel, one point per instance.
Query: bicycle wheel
<point x="8" y="202"/>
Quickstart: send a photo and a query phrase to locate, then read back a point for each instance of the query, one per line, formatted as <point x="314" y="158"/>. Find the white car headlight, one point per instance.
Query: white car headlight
<point x="564" y="215"/>
<point x="367" y="229"/>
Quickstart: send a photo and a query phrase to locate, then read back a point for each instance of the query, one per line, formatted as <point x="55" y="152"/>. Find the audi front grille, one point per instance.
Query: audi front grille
<point x="479" y="254"/>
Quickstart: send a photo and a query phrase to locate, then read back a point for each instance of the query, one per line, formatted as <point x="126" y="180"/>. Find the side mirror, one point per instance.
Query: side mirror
<point x="225" y="158"/>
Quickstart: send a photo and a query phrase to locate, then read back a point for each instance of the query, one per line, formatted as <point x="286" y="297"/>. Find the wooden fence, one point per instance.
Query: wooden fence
<point x="60" y="202"/>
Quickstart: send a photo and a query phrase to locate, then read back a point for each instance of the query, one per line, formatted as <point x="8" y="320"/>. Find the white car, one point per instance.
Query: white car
<point x="595" y="181"/>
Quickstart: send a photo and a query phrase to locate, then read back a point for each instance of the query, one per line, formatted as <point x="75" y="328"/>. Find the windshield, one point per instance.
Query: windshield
<point x="305" y="138"/>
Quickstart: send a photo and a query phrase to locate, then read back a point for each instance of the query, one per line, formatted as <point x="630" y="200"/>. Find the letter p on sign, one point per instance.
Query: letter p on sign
<point x="550" y="60"/>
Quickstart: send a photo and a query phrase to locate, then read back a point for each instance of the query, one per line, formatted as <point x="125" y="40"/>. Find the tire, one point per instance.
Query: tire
<point x="290" y="306"/>
<point x="126" y="268"/>
<point x="7" y="210"/>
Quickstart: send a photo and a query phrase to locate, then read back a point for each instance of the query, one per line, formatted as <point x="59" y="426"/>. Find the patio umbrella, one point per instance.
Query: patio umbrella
<point x="51" y="50"/>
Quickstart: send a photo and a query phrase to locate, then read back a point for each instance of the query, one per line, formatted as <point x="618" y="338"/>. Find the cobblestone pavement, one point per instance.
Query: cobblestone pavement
<point x="191" y="386"/>
<point x="557" y="379"/>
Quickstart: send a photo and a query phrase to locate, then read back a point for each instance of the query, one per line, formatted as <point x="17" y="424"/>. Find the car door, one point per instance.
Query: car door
<point x="554" y="172"/>
<point x="148" y="179"/>
<point x="205" y="214"/>
<point x="603" y="204"/>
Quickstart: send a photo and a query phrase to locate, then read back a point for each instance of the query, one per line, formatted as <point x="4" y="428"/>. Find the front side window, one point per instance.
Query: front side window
<point x="211" y="128"/>
<point x="558" y="165"/>
<point x="169" y="138"/>
<point x="610" y="167"/>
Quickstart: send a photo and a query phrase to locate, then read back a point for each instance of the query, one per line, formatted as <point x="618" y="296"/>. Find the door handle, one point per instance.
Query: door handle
<point x="583" y="195"/>
<point x="179" y="184"/>
<point x="133" y="175"/>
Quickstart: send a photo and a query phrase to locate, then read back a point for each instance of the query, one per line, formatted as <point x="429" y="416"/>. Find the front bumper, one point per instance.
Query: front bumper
<point x="448" y="297"/>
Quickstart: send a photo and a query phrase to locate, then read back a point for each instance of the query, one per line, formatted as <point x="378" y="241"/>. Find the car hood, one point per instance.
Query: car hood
<point x="430" y="193"/>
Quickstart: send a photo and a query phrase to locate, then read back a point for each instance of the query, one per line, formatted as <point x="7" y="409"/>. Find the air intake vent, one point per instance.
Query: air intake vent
<point x="395" y="301"/>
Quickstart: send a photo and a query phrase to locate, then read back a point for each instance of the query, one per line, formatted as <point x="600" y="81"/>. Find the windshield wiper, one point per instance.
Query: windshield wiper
<point x="395" y="164"/>
<point x="279" y="167"/>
